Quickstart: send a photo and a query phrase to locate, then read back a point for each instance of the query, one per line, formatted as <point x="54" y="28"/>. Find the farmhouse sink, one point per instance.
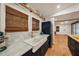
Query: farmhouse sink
<point x="37" y="42"/>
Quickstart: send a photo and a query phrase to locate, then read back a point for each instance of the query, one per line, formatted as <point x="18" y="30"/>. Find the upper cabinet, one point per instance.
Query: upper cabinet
<point x="15" y="21"/>
<point x="35" y="24"/>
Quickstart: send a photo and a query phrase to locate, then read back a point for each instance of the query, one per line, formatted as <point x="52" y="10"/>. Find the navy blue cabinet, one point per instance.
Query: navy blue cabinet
<point x="44" y="48"/>
<point x="73" y="46"/>
<point x="29" y="53"/>
<point x="40" y="52"/>
<point x="47" y="29"/>
<point x="50" y="40"/>
<point x="37" y="53"/>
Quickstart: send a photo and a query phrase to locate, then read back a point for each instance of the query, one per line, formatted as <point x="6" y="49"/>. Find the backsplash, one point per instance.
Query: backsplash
<point x="17" y="36"/>
<point x="35" y="33"/>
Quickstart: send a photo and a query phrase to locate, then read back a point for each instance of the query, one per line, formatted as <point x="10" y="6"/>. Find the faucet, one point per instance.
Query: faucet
<point x="31" y="34"/>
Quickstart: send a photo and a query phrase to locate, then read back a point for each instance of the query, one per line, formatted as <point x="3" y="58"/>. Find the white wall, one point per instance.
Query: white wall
<point x="0" y="16"/>
<point x="2" y="19"/>
<point x="69" y="13"/>
<point x="16" y="36"/>
<point x="64" y="28"/>
<point x="21" y="9"/>
<point x="26" y="11"/>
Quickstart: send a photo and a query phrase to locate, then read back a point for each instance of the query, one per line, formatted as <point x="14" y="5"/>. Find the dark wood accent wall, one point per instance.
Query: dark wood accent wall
<point x="15" y="21"/>
<point x="35" y="24"/>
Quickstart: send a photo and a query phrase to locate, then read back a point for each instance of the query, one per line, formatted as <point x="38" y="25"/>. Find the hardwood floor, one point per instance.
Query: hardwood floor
<point x="60" y="47"/>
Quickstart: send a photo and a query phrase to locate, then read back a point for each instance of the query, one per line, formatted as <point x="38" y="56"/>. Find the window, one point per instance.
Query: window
<point x="15" y="20"/>
<point x="35" y="24"/>
<point x="75" y="28"/>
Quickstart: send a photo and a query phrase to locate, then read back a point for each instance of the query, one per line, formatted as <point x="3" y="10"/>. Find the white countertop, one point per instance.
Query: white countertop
<point x="75" y="37"/>
<point x="20" y="47"/>
<point x="37" y="42"/>
<point x="17" y="49"/>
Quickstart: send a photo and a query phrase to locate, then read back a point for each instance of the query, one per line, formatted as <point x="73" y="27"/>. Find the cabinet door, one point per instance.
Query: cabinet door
<point x="73" y="46"/>
<point x="37" y="53"/>
<point x="29" y="53"/>
<point x="44" y="48"/>
<point x="76" y="49"/>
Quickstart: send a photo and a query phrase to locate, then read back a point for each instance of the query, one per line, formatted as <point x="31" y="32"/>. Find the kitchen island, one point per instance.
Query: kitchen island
<point x="73" y="44"/>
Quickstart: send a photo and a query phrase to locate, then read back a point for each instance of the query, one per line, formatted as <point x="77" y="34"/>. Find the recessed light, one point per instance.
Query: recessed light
<point x="61" y="22"/>
<point x="58" y="6"/>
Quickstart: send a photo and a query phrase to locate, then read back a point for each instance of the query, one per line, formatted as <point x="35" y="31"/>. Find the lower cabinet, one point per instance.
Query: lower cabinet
<point x="50" y="41"/>
<point x="29" y="53"/>
<point x="44" y="48"/>
<point x="73" y="46"/>
<point x="40" y="52"/>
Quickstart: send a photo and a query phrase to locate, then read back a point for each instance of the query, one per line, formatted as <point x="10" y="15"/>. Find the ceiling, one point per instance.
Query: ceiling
<point x="47" y="9"/>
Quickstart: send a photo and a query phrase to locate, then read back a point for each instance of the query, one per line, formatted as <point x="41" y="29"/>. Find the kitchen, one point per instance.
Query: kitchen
<point x="26" y="30"/>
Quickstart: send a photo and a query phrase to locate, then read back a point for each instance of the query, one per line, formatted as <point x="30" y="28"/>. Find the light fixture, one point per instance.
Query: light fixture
<point x="61" y="23"/>
<point x="58" y="6"/>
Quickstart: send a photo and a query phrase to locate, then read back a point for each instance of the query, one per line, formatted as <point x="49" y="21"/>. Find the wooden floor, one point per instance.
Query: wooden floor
<point x="60" y="47"/>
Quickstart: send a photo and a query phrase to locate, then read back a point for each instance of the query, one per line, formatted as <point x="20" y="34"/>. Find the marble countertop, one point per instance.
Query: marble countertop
<point x="37" y="42"/>
<point x="20" y="47"/>
<point x="75" y="37"/>
<point x="17" y="49"/>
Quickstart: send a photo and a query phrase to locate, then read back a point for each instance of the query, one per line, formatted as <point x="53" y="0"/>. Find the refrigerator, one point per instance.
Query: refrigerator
<point x="47" y="29"/>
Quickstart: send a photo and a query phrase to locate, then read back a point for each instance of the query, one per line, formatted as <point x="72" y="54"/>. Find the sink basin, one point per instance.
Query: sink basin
<point x="33" y="41"/>
<point x="36" y="42"/>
